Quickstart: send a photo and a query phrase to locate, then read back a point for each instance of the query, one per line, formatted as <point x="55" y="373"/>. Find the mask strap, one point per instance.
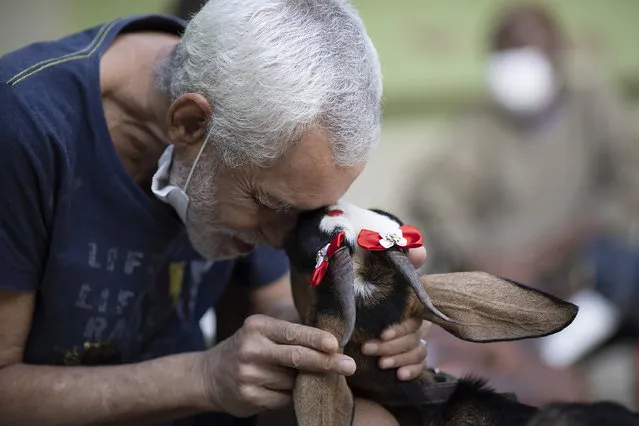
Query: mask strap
<point x="197" y="158"/>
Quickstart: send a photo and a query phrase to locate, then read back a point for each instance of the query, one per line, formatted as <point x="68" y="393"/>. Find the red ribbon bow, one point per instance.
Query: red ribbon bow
<point x="405" y="237"/>
<point x="323" y="256"/>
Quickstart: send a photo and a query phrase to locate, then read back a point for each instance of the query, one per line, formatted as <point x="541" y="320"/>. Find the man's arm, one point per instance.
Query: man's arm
<point x="143" y="393"/>
<point x="248" y="373"/>
<point x="47" y="395"/>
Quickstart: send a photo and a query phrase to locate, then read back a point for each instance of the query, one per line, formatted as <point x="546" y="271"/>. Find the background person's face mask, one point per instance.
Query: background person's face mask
<point x="521" y="81"/>
<point x="172" y="194"/>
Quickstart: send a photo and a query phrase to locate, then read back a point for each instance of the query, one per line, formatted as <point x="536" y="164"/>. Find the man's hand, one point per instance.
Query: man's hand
<point x="417" y="256"/>
<point x="255" y="369"/>
<point x="403" y="345"/>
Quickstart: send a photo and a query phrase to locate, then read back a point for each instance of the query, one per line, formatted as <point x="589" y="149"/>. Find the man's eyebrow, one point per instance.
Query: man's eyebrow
<point x="276" y="204"/>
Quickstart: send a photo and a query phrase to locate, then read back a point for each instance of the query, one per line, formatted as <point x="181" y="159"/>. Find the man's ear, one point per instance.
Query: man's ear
<point x="486" y="308"/>
<point x="188" y="120"/>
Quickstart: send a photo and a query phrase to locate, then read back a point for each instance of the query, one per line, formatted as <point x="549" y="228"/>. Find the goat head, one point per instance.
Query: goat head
<point x="351" y="277"/>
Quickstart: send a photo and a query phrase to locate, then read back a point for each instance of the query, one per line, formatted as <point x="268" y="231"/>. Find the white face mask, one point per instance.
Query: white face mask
<point x="521" y="80"/>
<point x="171" y="194"/>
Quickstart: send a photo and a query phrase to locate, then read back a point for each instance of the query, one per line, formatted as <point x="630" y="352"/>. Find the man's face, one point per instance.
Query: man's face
<point x="233" y="210"/>
<point x="522" y="71"/>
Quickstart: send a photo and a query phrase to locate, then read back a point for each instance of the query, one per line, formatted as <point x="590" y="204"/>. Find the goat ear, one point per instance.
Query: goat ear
<point x="323" y="399"/>
<point x="486" y="308"/>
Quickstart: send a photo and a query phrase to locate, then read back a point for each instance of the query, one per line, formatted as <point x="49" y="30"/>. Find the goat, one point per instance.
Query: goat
<point x="351" y="277"/>
<point x="583" y="414"/>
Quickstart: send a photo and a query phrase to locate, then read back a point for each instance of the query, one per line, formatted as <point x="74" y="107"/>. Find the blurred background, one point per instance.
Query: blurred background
<point x="510" y="139"/>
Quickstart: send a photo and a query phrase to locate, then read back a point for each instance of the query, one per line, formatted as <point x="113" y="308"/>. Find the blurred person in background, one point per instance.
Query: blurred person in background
<point x="540" y="184"/>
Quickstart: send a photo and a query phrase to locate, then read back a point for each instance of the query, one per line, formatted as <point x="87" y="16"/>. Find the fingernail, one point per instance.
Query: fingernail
<point x="370" y="348"/>
<point x="346" y="365"/>
<point x="387" y="363"/>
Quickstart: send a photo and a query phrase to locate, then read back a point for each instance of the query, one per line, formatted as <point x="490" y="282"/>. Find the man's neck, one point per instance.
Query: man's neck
<point x="134" y="108"/>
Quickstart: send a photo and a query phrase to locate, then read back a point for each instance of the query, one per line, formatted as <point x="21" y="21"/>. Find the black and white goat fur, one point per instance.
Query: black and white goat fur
<point x="365" y="292"/>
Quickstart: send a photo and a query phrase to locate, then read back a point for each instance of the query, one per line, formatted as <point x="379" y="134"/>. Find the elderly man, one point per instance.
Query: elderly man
<point x="134" y="153"/>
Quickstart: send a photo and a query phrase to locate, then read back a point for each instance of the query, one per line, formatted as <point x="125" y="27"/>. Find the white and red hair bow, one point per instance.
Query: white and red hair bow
<point x="323" y="256"/>
<point x="405" y="236"/>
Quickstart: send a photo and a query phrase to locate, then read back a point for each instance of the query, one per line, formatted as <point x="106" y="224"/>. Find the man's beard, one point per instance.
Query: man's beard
<point x="214" y="241"/>
<point x="208" y="236"/>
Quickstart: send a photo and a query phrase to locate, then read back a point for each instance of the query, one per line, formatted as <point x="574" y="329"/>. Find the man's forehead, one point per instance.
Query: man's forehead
<point x="308" y="178"/>
<point x="311" y="190"/>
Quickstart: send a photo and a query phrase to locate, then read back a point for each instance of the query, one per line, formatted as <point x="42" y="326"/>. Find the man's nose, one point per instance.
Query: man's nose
<point x="277" y="228"/>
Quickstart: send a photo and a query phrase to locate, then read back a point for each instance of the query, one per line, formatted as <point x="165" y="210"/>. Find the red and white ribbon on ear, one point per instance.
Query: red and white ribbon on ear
<point x="405" y="236"/>
<point x="322" y="257"/>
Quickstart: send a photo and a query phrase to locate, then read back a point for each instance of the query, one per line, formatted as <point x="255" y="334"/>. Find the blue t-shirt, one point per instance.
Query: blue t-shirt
<point x="116" y="279"/>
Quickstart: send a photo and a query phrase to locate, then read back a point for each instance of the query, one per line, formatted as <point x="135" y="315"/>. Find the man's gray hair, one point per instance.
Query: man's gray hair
<point x="272" y="70"/>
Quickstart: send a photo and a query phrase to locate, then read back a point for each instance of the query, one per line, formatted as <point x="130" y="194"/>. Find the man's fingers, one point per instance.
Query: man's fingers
<point x="306" y="359"/>
<point x="416" y="355"/>
<point x="408" y="326"/>
<point x="424" y="328"/>
<point x="287" y="333"/>
<point x="417" y="256"/>
<point x="274" y="377"/>
<point x="276" y="400"/>
<point x="410" y="372"/>
<point x="265" y="398"/>
<point x="296" y="346"/>
<point x="391" y="347"/>
<point x="281" y="383"/>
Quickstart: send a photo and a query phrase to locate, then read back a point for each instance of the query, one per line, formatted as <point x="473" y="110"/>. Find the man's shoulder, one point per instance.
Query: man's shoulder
<point x="53" y="86"/>
<point x="37" y="60"/>
<point x="30" y="60"/>
<point x="41" y="81"/>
